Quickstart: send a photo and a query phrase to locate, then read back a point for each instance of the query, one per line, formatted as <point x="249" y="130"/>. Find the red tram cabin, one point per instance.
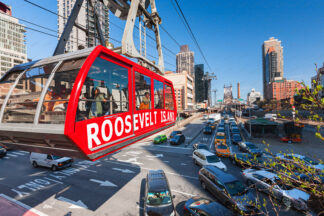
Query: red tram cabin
<point x="84" y="104"/>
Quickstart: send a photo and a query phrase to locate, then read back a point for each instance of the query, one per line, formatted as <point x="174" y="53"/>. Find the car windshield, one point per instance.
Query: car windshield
<point x="282" y="185"/>
<point x="251" y="146"/>
<point x="220" y="137"/>
<point x="177" y="137"/>
<point x="235" y="188"/>
<point x="310" y="160"/>
<point x="158" y="137"/>
<point x="212" y="159"/>
<point x="158" y="198"/>
<point x="222" y="147"/>
<point x="56" y="157"/>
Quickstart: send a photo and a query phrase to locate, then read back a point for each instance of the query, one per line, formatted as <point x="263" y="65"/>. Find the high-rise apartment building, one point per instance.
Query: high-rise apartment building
<point x="84" y="37"/>
<point x="12" y="40"/>
<point x="272" y="61"/>
<point x="185" y="60"/>
<point x="253" y="96"/>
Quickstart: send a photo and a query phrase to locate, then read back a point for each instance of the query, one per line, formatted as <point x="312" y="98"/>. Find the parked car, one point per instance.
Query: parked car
<point x="220" y="137"/>
<point x="270" y="183"/>
<point x="270" y="116"/>
<point x="160" y="139"/>
<point x="199" y="146"/>
<point x="250" y="148"/>
<point x="174" y="133"/>
<point x="203" y="157"/>
<point x="208" y="130"/>
<point x="178" y="139"/>
<point x="222" y="150"/>
<point x="228" y="190"/>
<point x="3" y="152"/>
<point x="198" y="206"/>
<point x="312" y="163"/>
<point x="236" y="138"/>
<point x="158" y="198"/>
<point x="51" y="161"/>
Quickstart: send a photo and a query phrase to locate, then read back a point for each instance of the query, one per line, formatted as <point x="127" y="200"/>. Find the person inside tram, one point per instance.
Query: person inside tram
<point x="96" y="108"/>
<point x="159" y="105"/>
<point x="145" y="104"/>
<point x="61" y="99"/>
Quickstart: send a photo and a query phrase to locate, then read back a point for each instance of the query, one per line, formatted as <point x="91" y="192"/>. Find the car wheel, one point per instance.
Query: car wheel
<point x="286" y="201"/>
<point x="203" y="185"/>
<point x="54" y="168"/>
<point x="35" y="164"/>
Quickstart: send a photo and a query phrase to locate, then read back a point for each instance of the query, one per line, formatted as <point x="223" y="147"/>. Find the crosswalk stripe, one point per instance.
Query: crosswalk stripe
<point x="12" y="155"/>
<point x="17" y="153"/>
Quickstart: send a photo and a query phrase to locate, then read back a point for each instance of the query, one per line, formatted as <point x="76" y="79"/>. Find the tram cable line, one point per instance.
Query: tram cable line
<point x="191" y="33"/>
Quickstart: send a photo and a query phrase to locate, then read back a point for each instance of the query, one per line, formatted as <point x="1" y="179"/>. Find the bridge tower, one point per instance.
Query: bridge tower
<point x="228" y="95"/>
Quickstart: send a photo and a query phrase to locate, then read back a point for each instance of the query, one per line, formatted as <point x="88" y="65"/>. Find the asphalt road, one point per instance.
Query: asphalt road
<point x="113" y="185"/>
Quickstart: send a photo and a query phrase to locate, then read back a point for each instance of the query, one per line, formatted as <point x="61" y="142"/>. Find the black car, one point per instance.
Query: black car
<point x="177" y="140"/>
<point x="174" y="133"/>
<point x="198" y="206"/>
<point x="250" y="148"/>
<point x="228" y="189"/>
<point x="158" y="199"/>
<point x="208" y="130"/>
<point x="3" y="152"/>
<point x="221" y="129"/>
<point x="235" y="130"/>
<point x="199" y="146"/>
<point x="236" y="138"/>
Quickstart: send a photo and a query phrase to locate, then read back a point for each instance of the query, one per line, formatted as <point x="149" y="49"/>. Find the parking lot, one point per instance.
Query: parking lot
<point x="113" y="185"/>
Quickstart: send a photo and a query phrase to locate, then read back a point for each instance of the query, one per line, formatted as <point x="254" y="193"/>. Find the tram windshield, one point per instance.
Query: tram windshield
<point x="22" y="103"/>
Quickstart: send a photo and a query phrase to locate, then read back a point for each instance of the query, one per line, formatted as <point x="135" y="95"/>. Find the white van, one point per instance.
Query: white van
<point x="204" y="157"/>
<point x="51" y="161"/>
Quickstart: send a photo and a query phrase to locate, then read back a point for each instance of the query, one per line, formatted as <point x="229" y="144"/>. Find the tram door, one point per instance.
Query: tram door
<point x="104" y="115"/>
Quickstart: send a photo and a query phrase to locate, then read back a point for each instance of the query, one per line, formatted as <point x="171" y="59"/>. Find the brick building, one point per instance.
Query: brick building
<point x="282" y="90"/>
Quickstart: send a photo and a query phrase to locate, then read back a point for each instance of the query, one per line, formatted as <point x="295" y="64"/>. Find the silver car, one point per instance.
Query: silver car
<point x="269" y="182"/>
<point x="308" y="161"/>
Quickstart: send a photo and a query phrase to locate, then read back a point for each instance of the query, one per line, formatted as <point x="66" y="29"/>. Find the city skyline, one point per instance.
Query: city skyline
<point x="224" y="42"/>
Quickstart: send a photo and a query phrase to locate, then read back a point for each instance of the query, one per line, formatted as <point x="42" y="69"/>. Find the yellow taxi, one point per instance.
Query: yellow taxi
<point x="222" y="150"/>
<point x="220" y="137"/>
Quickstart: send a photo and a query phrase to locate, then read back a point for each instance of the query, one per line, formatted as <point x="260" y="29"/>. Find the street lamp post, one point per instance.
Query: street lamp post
<point x="250" y="122"/>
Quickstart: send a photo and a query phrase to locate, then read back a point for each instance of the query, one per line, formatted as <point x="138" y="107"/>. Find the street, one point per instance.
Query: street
<point x="113" y="185"/>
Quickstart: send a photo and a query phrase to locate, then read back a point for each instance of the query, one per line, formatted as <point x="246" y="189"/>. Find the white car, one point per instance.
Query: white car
<point x="204" y="157"/>
<point x="270" y="183"/>
<point x="308" y="161"/>
<point x="270" y="116"/>
<point x="205" y="117"/>
<point x="51" y="161"/>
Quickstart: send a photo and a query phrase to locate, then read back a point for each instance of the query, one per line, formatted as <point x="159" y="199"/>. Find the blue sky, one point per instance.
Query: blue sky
<point x="230" y="32"/>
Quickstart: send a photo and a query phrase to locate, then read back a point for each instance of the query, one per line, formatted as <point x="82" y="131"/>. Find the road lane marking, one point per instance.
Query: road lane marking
<point x="180" y="192"/>
<point x="74" y="204"/>
<point x="18" y="153"/>
<point x="145" y="168"/>
<point x="23" y="205"/>
<point x="12" y="155"/>
<point x="173" y="147"/>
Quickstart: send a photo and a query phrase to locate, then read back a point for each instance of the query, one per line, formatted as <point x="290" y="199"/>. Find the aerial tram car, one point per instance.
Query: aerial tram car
<point x="84" y="104"/>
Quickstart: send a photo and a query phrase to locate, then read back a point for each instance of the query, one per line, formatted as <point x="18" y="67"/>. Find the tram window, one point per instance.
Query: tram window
<point x="142" y="91"/>
<point x="22" y="103"/>
<point x="158" y="95"/>
<point x="104" y="92"/>
<point x="169" y="105"/>
<point x="58" y="94"/>
<point x="6" y="84"/>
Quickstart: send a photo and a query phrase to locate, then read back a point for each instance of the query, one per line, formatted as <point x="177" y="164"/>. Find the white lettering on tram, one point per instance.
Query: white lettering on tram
<point x="111" y="129"/>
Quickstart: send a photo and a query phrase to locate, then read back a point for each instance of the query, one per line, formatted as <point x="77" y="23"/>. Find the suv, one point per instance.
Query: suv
<point x="51" y="161"/>
<point x="158" y="199"/>
<point x="174" y="133"/>
<point x="228" y="190"/>
<point x="177" y="139"/>
<point x="203" y="157"/>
